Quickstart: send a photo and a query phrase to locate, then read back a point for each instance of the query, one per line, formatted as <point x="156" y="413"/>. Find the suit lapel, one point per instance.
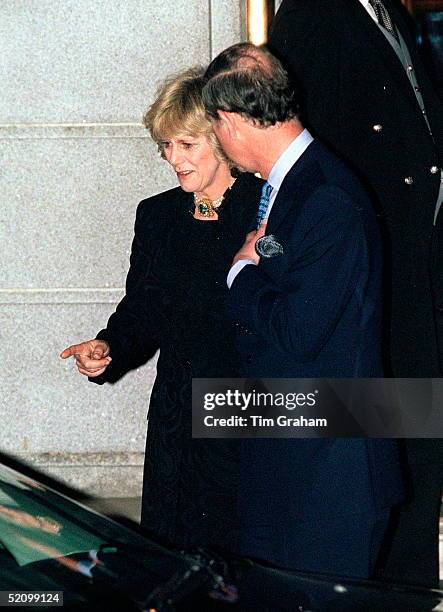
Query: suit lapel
<point x="290" y="190"/>
<point x="400" y="22"/>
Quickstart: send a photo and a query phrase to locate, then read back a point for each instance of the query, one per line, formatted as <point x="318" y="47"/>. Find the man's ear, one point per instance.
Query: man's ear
<point x="229" y="122"/>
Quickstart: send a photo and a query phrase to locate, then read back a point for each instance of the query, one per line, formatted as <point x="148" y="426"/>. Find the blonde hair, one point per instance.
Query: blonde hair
<point x="178" y="109"/>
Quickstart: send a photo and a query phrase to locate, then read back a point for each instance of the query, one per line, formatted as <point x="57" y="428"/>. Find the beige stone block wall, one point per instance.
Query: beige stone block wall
<point x="75" y="79"/>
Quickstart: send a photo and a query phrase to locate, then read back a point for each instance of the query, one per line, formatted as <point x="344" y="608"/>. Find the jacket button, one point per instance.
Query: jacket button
<point x="248" y="358"/>
<point x="410" y="68"/>
<point x="434" y="169"/>
<point x="409" y="180"/>
<point x="377" y="127"/>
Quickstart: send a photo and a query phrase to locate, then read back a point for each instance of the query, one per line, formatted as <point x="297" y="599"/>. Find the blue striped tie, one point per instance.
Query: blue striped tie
<point x="264" y="203"/>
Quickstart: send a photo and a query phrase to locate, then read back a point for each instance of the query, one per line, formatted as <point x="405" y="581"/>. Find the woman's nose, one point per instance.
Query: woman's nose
<point x="173" y="155"/>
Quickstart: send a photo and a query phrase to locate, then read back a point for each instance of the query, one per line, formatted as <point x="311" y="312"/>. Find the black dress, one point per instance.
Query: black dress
<point x="175" y="299"/>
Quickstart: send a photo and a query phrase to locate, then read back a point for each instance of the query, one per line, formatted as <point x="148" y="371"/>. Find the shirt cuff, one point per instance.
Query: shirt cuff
<point x="237" y="268"/>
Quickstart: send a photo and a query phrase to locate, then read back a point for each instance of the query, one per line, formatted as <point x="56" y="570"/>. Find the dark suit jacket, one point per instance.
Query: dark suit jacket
<point x="357" y="98"/>
<point x="313" y="312"/>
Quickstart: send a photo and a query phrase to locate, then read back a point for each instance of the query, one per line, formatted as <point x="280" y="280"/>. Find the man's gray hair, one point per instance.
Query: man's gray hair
<point x="252" y="82"/>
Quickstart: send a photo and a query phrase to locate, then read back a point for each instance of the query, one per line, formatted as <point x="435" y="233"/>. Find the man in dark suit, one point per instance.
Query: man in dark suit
<point x="305" y="294"/>
<point x="365" y="92"/>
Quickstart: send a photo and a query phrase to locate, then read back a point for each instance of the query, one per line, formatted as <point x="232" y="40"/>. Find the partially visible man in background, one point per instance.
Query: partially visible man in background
<point x="365" y="93"/>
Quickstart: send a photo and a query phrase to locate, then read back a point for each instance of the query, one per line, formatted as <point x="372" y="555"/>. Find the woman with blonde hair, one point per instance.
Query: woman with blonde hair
<point x="185" y="239"/>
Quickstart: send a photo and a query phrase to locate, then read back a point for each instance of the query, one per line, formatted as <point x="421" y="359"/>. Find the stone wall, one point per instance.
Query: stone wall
<point x="76" y="77"/>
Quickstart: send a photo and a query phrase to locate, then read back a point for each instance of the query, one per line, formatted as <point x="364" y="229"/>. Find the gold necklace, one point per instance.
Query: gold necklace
<point x="207" y="207"/>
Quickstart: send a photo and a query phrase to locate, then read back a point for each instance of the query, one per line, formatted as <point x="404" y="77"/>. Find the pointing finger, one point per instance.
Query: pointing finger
<point x="68" y="352"/>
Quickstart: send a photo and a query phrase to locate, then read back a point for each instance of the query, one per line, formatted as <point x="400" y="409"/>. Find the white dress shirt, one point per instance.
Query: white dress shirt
<point x="370" y="10"/>
<point x="278" y="172"/>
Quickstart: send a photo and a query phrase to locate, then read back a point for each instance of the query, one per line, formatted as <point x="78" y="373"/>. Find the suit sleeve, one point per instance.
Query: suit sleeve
<point x="305" y="38"/>
<point x="131" y="332"/>
<point x="297" y="309"/>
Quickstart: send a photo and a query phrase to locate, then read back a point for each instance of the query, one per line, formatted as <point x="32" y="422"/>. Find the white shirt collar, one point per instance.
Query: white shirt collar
<point x="288" y="158"/>
<point x="369" y="9"/>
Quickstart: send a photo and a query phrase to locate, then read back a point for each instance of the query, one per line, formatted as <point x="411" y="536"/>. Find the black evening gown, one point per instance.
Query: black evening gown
<point x="176" y="292"/>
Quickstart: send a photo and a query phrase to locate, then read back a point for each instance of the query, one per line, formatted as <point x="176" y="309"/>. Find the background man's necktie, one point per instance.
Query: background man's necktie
<point x="264" y="203"/>
<point x="384" y="18"/>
